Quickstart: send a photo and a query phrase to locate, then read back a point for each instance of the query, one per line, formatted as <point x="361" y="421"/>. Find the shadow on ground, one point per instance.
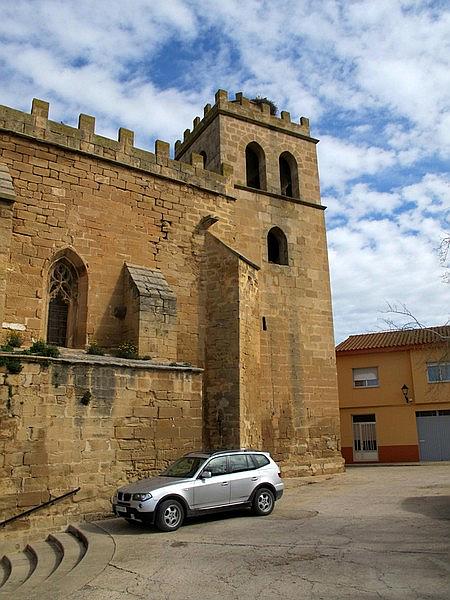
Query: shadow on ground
<point x="435" y="507"/>
<point x="122" y="527"/>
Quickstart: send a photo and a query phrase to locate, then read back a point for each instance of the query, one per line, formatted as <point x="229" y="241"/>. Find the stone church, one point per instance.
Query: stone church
<point x="212" y="264"/>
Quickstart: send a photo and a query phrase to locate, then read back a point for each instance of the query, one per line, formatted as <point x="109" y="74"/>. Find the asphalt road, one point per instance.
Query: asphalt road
<point x="373" y="532"/>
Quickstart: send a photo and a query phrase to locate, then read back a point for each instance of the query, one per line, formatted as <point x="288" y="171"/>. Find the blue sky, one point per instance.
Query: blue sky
<point x="373" y="76"/>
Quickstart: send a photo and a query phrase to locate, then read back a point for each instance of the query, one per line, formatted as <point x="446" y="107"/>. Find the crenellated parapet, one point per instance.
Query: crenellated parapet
<point x="244" y="109"/>
<point x="84" y="139"/>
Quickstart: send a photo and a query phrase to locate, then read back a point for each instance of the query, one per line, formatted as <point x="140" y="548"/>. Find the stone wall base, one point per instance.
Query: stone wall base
<point x="87" y="423"/>
<point x="316" y="466"/>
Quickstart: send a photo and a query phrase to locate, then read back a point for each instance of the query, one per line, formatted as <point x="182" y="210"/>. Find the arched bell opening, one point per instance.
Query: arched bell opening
<point x="277" y="248"/>
<point x="289" y="184"/>
<point x="255" y="166"/>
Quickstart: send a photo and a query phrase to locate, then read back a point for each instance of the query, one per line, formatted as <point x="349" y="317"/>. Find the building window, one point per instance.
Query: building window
<point x="67" y="301"/>
<point x="277" y="248"/>
<point x="438" y="372"/>
<point x="205" y="158"/>
<point x="62" y="295"/>
<point x="432" y="413"/>
<point x="370" y="418"/>
<point x="367" y="377"/>
<point x="288" y="175"/>
<point x="255" y="166"/>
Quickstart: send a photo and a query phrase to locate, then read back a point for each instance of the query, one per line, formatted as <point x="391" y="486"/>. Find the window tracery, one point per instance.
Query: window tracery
<point x="63" y="282"/>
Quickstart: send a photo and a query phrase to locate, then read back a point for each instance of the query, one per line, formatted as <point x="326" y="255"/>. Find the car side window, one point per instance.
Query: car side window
<point x="217" y="466"/>
<point x="260" y="460"/>
<point x="239" y="462"/>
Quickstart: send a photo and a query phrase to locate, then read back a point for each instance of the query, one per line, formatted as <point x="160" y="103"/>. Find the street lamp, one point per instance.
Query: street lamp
<point x="405" y="390"/>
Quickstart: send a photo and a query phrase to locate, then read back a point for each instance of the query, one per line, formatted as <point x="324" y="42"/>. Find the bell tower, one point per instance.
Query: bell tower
<point x="270" y="314"/>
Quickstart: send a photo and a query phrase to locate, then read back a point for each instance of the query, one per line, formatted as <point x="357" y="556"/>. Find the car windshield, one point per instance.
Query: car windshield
<point x="186" y="466"/>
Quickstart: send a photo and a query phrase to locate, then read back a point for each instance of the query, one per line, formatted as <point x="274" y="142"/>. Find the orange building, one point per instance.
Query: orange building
<point x="394" y="395"/>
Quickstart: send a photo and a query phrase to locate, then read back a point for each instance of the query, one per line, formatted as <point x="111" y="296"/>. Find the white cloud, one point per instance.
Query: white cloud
<point x="375" y="261"/>
<point x="342" y="161"/>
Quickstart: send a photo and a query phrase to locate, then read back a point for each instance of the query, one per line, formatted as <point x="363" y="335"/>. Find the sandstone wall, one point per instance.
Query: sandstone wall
<point x="209" y="143"/>
<point x="291" y="405"/>
<point x="252" y="411"/>
<point x="107" y="214"/>
<point x="7" y="198"/>
<point x="112" y="203"/>
<point x="88" y="423"/>
<point x="221" y="383"/>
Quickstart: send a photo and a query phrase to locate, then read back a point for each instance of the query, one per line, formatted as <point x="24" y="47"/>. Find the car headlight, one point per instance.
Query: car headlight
<point x="142" y="497"/>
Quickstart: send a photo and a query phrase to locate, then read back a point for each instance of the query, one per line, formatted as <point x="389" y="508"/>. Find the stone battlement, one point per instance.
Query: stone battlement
<point x="245" y="109"/>
<point x="83" y="139"/>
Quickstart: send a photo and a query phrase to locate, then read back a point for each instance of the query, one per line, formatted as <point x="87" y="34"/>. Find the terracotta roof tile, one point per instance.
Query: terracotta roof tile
<point x="395" y="339"/>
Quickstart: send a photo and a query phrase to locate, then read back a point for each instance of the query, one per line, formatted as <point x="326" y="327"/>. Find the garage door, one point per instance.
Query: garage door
<point x="433" y="430"/>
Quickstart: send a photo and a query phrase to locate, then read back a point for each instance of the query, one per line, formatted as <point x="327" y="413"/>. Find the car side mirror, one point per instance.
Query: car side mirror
<point x="206" y="475"/>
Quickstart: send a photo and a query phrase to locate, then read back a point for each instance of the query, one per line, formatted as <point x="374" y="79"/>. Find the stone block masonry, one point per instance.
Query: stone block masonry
<point x="93" y="424"/>
<point x="216" y="259"/>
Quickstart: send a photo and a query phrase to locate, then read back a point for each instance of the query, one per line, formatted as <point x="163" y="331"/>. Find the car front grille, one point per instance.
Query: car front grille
<point x="124" y="497"/>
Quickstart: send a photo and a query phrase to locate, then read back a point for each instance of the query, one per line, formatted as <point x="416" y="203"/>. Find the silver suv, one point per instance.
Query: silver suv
<point x="201" y="482"/>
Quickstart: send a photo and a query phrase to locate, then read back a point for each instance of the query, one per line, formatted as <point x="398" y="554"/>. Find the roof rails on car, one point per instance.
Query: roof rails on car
<point x="229" y="450"/>
<point x="224" y="451"/>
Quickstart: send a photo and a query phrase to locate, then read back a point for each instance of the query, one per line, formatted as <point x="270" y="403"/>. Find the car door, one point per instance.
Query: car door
<point x="244" y="477"/>
<point x="214" y="491"/>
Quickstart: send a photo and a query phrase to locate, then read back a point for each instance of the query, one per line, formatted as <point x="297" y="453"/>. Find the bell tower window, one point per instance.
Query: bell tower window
<point x="255" y="166"/>
<point x="277" y="250"/>
<point x="288" y="175"/>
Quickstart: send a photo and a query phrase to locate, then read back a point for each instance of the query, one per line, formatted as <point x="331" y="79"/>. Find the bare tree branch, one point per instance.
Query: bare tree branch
<point x="412" y="323"/>
<point x="403" y="310"/>
<point x="444" y="255"/>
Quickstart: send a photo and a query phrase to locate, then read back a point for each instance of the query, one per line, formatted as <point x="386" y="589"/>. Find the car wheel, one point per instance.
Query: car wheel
<point x="170" y="515"/>
<point x="263" y="502"/>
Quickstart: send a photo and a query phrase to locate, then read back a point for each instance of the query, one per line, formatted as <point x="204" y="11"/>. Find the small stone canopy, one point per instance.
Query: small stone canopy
<point x="152" y="285"/>
<point x="151" y="314"/>
<point x="6" y="185"/>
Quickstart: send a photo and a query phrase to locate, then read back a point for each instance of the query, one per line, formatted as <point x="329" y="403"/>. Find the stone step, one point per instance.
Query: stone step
<point x="4" y="570"/>
<point x="55" y="568"/>
<point x="72" y="550"/>
<point x="99" y="551"/>
<point x="47" y="557"/>
<point x="20" y="566"/>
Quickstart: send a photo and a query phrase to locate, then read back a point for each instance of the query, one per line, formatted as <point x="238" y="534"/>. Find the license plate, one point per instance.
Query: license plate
<point x="121" y="509"/>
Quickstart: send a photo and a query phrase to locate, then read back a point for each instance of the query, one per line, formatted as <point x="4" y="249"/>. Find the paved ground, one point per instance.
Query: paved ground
<point x="379" y="532"/>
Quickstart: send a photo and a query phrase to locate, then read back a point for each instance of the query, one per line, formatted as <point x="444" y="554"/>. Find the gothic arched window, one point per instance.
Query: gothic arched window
<point x="255" y="166"/>
<point x="61" y="299"/>
<point x="67" y="301"/>
<point x="288" y="175"/>
<point x="277" y="248"/>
